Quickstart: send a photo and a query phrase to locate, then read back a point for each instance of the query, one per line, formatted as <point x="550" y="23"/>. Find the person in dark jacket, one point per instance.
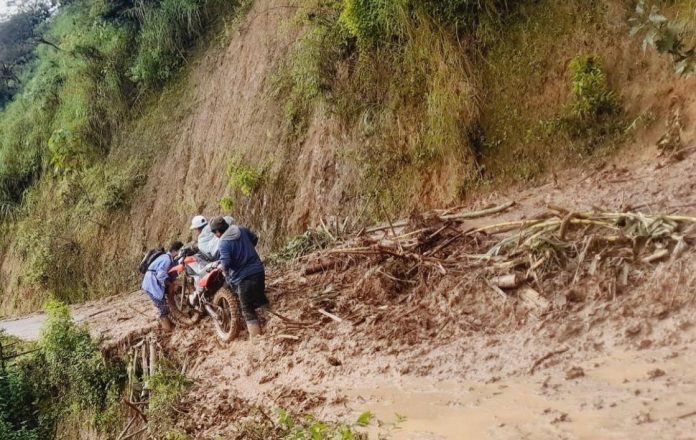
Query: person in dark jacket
<point x="243" y="269"/>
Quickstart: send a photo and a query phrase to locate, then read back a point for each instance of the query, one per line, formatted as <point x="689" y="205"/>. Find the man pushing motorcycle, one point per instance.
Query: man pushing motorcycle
<point x="243" y="269"/>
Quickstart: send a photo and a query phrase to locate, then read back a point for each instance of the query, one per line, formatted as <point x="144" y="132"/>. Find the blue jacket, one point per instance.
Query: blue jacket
<point x="238" y="254"/>
<point x="156" y="275"/>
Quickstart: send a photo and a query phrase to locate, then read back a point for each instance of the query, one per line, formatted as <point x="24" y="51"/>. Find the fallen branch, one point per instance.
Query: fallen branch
<point x="657" y="256"/>
<point x="135" y="433"/>
<point x="458" y="216"/>
<point x="291" y="321"/>
<point x="125" y="430"/>
<point x="687" y="415"/>
<point x="545" y="357"/>
<point x="134" y="408"/>
<point x="481" y="213"/>
<point x="330" y="315"/>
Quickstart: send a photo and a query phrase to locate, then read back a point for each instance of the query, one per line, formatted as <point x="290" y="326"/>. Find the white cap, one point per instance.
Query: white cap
<point x="198" y="222"/>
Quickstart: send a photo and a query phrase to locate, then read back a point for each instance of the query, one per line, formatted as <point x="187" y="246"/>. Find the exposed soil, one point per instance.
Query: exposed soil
<point x="449" y="354"/>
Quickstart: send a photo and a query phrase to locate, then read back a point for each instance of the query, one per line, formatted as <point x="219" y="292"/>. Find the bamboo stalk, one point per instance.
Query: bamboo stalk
<point x="481" y="213"/>
<point x="153" y="358"/>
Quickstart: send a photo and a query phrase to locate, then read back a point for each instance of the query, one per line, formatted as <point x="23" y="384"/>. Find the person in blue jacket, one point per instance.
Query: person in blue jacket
<point x="154" y="282"/>
<point x="243" y="269"/>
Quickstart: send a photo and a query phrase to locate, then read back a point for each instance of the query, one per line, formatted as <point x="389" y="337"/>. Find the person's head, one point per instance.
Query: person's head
<point x="218" y="226"/>
<point x="198" y="223"/>
<point x="175" y="247"/>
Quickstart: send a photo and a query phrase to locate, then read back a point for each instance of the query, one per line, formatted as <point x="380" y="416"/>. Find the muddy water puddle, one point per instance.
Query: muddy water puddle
<point x="625" y="395"/>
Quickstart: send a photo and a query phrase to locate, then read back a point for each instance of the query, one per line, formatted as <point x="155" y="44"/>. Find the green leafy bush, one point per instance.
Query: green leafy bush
<point x="73" y="368"/>
<point x="372" y="22"/>
<point x="18" y="417"/>
<point x="167" y="387"/>
<point x="385" y="22"/>
<point x="592" y="97"/>
<point x="310" y="428"/>
<point x="245" y="178"/>
<point x="67" y="375"/>
<point x="666" y="36"/>
<point x="226" y="204"/>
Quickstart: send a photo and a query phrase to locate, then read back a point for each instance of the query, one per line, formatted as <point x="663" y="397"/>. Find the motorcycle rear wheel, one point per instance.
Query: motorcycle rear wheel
<point x="228" y="322"/>
<point x="177" y="300"/>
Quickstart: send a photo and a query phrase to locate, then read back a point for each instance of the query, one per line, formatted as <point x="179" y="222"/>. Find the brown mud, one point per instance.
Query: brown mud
<point x="445" y="351"/>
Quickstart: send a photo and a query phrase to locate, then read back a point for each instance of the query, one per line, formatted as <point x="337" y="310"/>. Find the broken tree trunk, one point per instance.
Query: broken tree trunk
<point x="322" y="265"/>
<point x="505" y="281"/>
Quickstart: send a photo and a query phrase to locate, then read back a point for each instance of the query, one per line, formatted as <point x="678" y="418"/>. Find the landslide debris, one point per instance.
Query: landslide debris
<point x="439" y="295"/>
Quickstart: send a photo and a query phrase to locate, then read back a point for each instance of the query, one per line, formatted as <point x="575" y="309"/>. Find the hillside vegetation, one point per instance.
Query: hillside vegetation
<point x="127" y="117"/>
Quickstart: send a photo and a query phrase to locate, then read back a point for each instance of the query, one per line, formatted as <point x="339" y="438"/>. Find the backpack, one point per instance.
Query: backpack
<point x="149" y="257"/>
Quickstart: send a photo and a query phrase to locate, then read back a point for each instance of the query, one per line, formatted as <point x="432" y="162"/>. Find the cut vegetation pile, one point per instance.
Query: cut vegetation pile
<point x="441" y="265"/>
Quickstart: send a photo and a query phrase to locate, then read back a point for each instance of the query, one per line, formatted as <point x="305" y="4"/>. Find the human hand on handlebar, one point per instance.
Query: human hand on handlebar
<point x="212" y="266"/>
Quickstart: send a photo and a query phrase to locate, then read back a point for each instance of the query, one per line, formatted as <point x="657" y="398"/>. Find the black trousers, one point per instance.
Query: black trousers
<point x="252" y="295"/>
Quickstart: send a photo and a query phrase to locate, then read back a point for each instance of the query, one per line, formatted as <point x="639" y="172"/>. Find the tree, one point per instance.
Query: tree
<point x="19" y="35"/>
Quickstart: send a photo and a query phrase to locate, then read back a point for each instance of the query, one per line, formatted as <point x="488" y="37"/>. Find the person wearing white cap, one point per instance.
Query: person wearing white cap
<point x="208" y="243"/>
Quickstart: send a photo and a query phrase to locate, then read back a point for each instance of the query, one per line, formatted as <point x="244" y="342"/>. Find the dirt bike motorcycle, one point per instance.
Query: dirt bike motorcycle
<point x="200" y="289"/>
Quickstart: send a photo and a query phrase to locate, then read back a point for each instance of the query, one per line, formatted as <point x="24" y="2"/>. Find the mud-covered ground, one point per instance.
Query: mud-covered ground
<point x="452" y="357"/>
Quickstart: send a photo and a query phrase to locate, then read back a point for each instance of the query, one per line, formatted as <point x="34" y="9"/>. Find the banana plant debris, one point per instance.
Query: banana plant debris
<point x="543" y="262"/>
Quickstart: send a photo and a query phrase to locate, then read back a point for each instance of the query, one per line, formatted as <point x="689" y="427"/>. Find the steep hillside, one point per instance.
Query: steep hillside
<point x="289" y="115"/>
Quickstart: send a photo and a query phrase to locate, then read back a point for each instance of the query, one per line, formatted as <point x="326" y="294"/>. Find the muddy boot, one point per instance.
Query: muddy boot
<point x="254" y="329"/>
<point x="167" y="324"/>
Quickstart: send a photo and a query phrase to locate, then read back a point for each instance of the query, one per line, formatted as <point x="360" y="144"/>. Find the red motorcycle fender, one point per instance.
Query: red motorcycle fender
<point x="204" y="281"/>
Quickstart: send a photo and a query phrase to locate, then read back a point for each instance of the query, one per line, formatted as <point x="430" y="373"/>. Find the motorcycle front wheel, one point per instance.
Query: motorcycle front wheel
<point x="177" y="300"/>
<point x="228" y="322"/>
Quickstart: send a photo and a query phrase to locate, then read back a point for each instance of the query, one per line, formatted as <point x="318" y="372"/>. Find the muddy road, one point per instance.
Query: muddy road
<point x="452" y="361"/>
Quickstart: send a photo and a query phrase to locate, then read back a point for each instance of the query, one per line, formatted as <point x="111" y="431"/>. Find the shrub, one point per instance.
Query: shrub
<point x="372" y="22"/>
<point x="309" y="427"/>
<point x="672" y="37"/>
<point x="226" y="204"/>
<point x="303" y="244"/>
<point x="168" y="28"/>
<point x="74" y="370"/>
<point x="245" y="178"/>
<point x="592" y="98"/>
<point x="18" y="417"/>
<point x="385" y="22"/>
<point x="167" y="387"/>
<point x="65" y="376"/>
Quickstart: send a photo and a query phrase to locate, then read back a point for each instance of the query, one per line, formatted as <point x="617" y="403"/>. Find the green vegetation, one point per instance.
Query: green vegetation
<point x="19" y="35"/>
<point x="64" y="377"/>
<point x="309" y="427"/>
<point x="673" y="37"/>
<point x="548" y="105"/>
<point x="449" y="96"/>
<point x="588" y="86"/>
<point x="79" y="88"/>
<point x="291" y="427"/>
<point x="303" y="244"/>
<point x="166" y="389"/>
<point x="245" y="178"/>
